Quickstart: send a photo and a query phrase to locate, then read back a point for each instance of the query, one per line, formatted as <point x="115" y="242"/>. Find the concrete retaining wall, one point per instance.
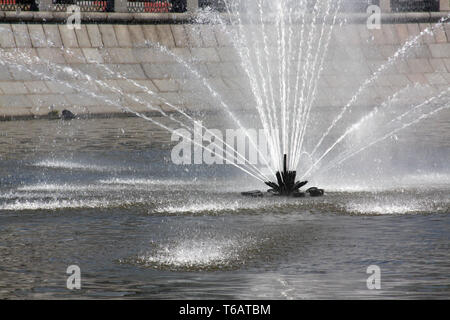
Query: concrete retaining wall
<point x="355" y="53"/>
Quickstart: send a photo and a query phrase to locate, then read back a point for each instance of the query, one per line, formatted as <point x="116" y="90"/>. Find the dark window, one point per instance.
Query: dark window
<point x="179" y="5"/>
<point x="214" y="4"/>
<point x="357" y="5"/>
<point x="414" y="5"/>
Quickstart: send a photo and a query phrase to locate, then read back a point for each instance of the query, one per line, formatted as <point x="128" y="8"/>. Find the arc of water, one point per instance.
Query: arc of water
<point x="399" y="53"/>
<point x="316" y="76"/>
<point x="197" y="144"/>
<point x="290" y="53"/>
<point x="306" y="68"/>
<point x="295" y="122"/>
<point x="356" y="126"/>
<point x="440" y="95"/>
<point x="424" y="116"/>
<point x="294" y="77"/>
<point x="247" y="66"/>
<point x="229" y="149"/>
<point x="271" y="106"/>
<point x="120" y="107"/>
<point x="219" y="97"/>
<point x="281" y="27"/>
<point x="267" y="116"/>
<point x="263" y="109"/>
<point x="375" y="110"/>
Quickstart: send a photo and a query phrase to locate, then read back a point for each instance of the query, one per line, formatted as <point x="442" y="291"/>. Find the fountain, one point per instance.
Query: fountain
<point x="283" y="49"/>
<point x="317" y="98"/>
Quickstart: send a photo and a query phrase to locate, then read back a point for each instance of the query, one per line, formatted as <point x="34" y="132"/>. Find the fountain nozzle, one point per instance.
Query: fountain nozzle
<point x="286" y="184"/>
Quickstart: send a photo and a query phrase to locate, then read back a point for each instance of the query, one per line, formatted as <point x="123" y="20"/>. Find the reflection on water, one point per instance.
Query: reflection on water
<point x="103" y="194"/>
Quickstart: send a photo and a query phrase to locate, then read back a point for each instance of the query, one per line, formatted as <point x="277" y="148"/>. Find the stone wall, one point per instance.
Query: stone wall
<point x="38" y="82"/>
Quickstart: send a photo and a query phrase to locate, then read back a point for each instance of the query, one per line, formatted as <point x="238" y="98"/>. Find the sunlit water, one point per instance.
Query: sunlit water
<point x="103" y="194"/>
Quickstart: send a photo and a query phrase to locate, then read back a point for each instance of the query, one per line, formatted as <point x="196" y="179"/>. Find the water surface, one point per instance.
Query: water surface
<point x="103" y="194"/>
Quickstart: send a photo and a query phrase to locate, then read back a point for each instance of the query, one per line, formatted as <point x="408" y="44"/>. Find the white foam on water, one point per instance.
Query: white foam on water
<point x="15" y="195"/>
<point x="354" y="188"/>
<point x="426" y="179"/>
<point x="140" y="181"/>
<point x="53" y="205"/>
<point x="65" y="204"/>
<point x="64" y="164"/>
<point x="197" y="253"/>
<point x="387" y="208"/>
<point x="115" y="184"/>
<point x="67" y="187"/>
<point x="210" y="207"/>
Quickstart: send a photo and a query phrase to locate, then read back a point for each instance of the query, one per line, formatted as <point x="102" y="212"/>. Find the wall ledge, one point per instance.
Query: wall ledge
<point x="173" y="18"/>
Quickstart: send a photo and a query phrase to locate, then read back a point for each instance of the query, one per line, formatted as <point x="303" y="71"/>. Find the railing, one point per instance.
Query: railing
<point x="84" y="5"/>
<point x="18" y="5"/>
<point x="155" y="6"/>
<point x="147" y="6"/>
<point x="162" y="6"/>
